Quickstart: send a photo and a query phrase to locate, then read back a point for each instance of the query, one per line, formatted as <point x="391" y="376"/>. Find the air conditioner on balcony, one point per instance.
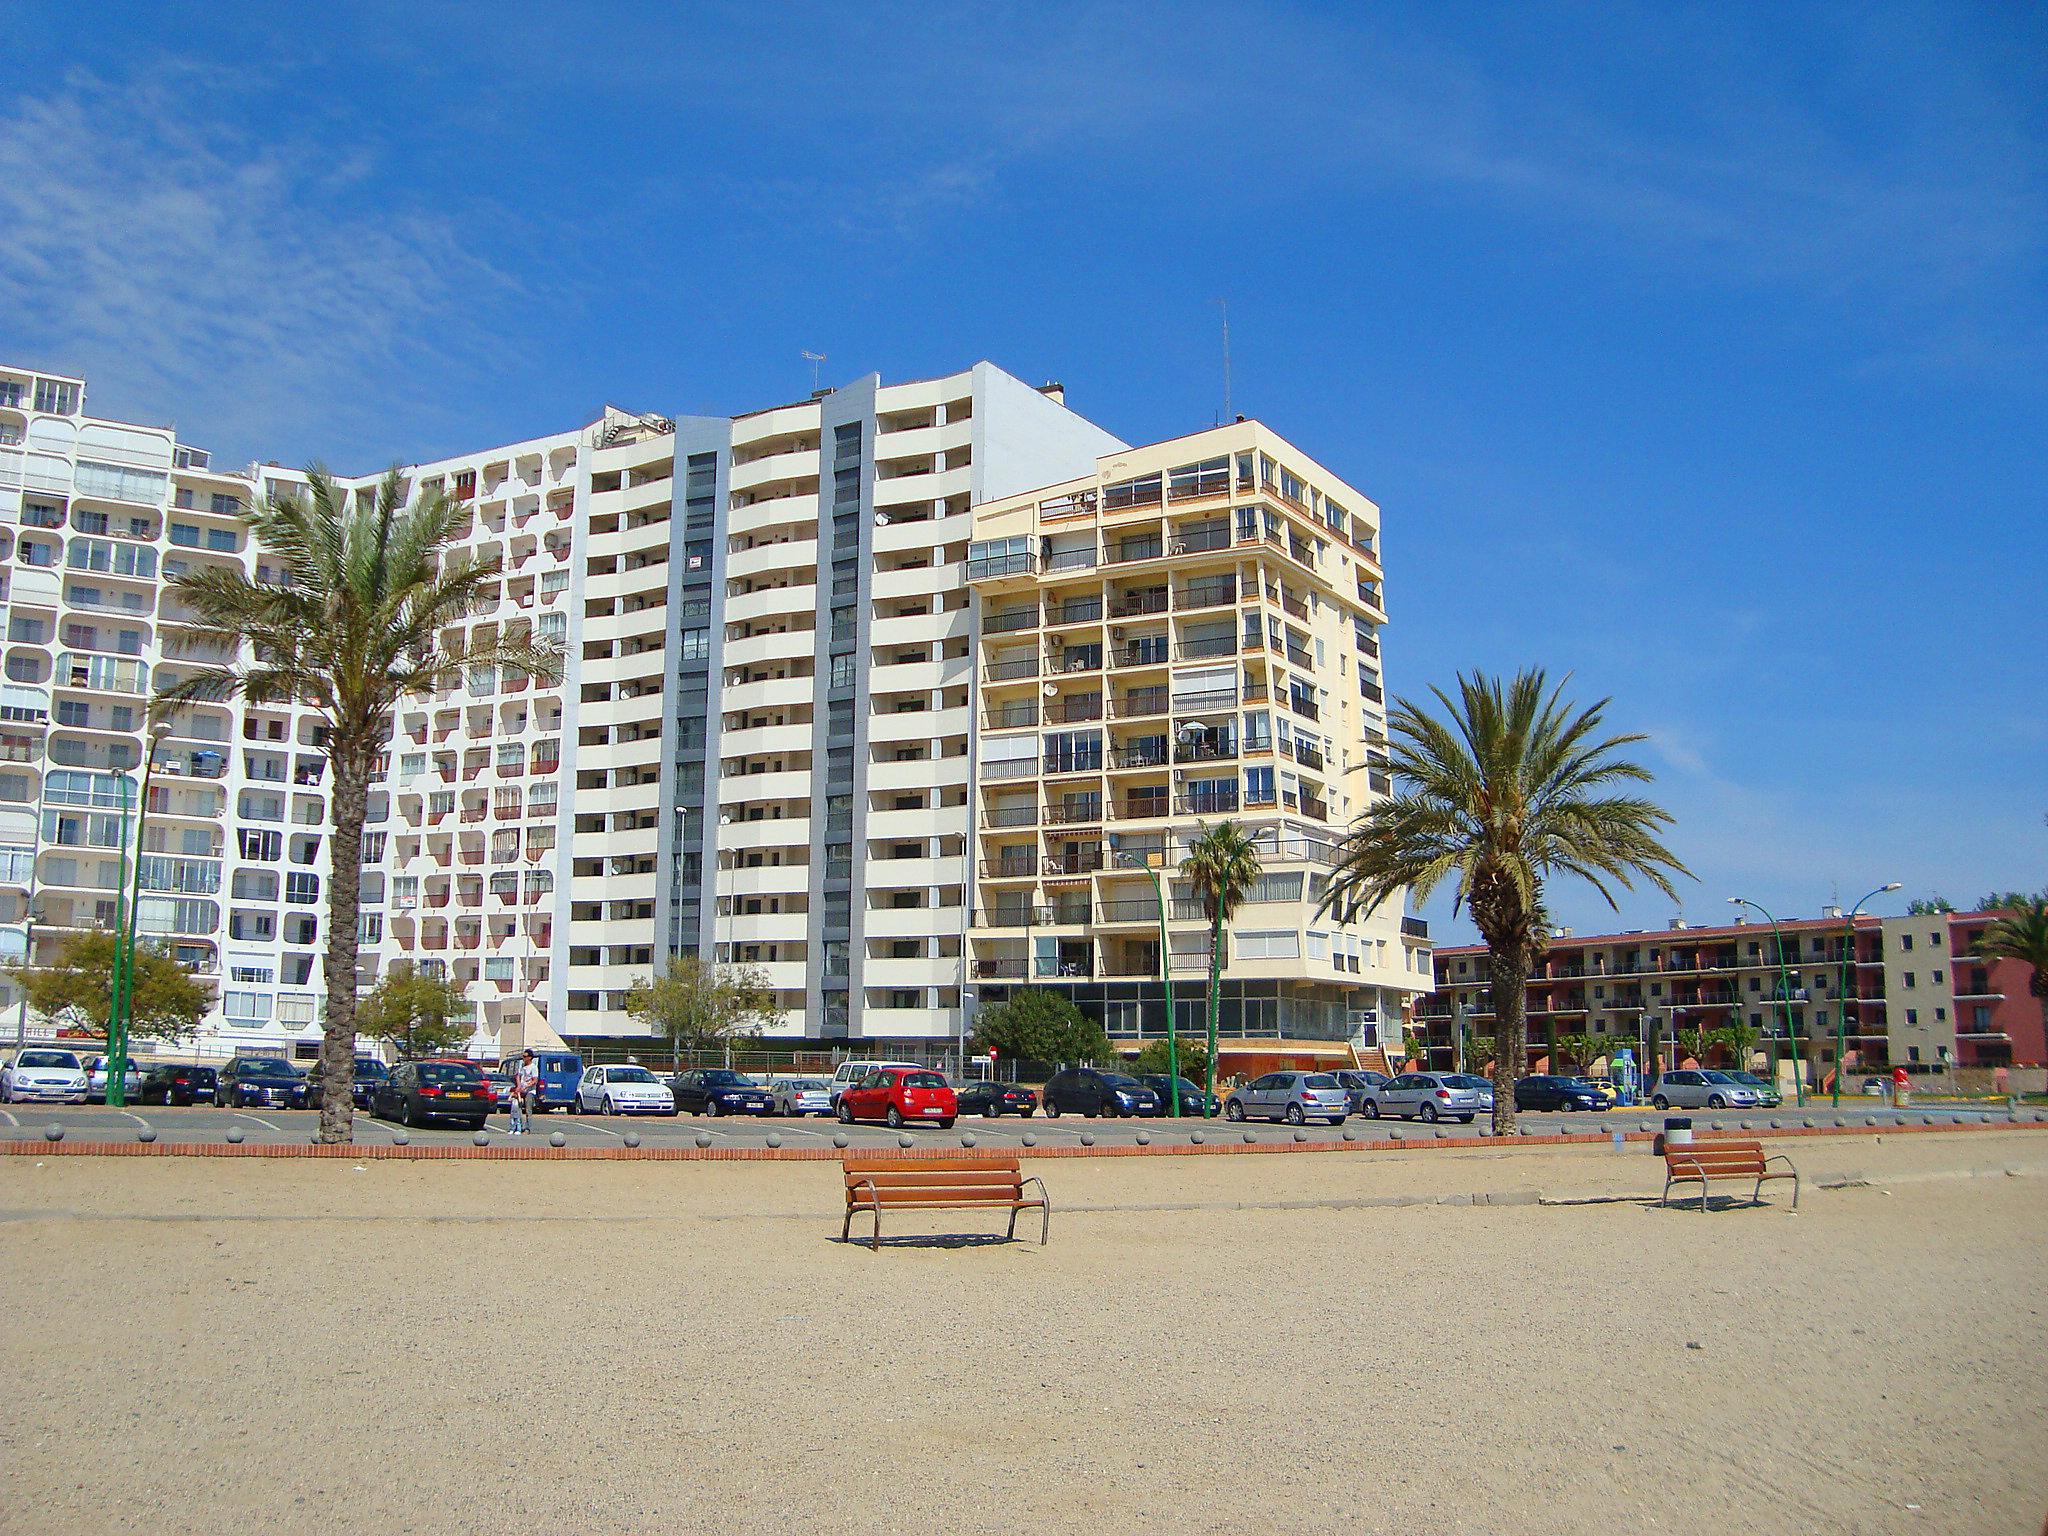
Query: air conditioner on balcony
<point x="1115" y="633"/>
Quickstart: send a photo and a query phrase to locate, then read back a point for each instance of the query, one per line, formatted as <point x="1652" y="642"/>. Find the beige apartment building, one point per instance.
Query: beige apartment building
<point x="1187" y="635"/>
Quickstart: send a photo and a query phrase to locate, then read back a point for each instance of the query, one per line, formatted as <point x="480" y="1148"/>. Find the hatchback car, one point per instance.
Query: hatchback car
<point x="177" y="1085"/>
<point x="267" y="1082"/>
<point x="1192" y="1100"/>
<point x="1431" y="1096"/>
<point x="720" y="1091"/>
<point x="1767" y="1096"/>
<point x="1357" y="1082"/>
<point x="1697" y="1088"/>
<point x="1087" y="1091"/>
<point x="900" y="1096"/>
<point x="623" y="1091"/>
<point x="1552" y="1092"/>
<point x="368" y="1071"/>
<point x="96" y="1080"/>
<point x="1295" y="1097"/>
<point x="991" y="1099"/>
<point x="802" y="1096"/>
<point x="42" y="1076"/>
<point x="420" y="1092"/>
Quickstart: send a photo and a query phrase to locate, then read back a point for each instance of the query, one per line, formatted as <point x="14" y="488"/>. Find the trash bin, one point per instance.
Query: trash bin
<point x="1677" y="1132"/>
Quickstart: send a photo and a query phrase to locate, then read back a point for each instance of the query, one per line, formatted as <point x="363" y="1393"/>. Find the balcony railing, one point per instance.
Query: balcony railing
<point x="1022" y="563"/>
<point x="1201" y="540"/>
<point x="1001" y="970"/>
<point x="1139" y="807"/>
<point x="1074" y="711"/>
<point x="1308" y="756"/>
<point x="1015" y="619"/>
<point x="1148" y="756"/>
<point x="1010" y="816"/>
<point x="1143" y="654"/>
<point x="1128" y="911"/>
<point x="1021" y="867"/>
<point x="1010" y="716"/>
<point x="1219" y="803"/>
<point x="1086" y="861"/>
<point x="1084" y="812"/>
<point x="1304" y="706"/>
<point x="1131" y="550"/>
<point x="1080" y="610"/>
<point x="1135" y="605"/>
<point x="1204" y="752"/>
<point x="1206" y="594"/>
<point x="1137" y="702"/>
<point x="1073" y="762"/>
<point x="1209" y="645"/>
<point x="1071" y="560"/>
<point x="1009" y="671"/>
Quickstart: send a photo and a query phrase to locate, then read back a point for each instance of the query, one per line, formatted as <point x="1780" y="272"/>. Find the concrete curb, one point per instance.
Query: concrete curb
<point x="358" y="1152"/>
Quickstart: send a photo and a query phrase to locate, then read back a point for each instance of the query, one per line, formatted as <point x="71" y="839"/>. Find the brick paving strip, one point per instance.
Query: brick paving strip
<point x="362" y="1152"/>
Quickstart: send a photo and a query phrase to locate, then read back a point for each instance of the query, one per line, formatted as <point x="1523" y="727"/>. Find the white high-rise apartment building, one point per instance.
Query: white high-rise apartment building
<point x="764" y="749"/>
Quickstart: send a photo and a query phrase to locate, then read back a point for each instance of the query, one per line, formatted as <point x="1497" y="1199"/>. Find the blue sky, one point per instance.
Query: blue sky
<point x="1700" y="351"/>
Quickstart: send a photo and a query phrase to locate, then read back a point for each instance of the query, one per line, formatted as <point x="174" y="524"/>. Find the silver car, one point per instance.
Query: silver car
<point x="1291" y="1096"/>
<point x="1431" y="1096"/>
<point x="803" y="1096"/>
<point x="1695" y="1088"/>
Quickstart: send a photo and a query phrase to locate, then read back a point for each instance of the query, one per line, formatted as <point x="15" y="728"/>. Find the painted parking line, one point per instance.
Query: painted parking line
<point x="268" y="1125"/>
<point x="8" y="1116"/>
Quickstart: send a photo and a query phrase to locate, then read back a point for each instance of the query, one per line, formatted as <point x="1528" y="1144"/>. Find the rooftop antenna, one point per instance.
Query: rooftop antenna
<point x="1224" y="305"/>
<point x="815" y="358"/>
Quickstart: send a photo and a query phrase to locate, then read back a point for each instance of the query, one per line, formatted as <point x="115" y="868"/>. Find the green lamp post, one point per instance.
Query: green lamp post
<point x="122" y="1009"/>
<point x="1784" y="996"/>
<point x="1132" y="861"/>
<point x="1842" y="1002"/>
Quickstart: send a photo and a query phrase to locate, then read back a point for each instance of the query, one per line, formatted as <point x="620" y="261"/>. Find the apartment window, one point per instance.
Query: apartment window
<point x="696" y="644"/>
<point x="1908" y="979"/>
<point x="57" y="399"/>
<point x="246" y="1005"/>
<point x="1934" y="978"/>
<point x="370" y="928"/>
<point x="301" y="888"/>
<point x="1912" y="1015"/>
<point x="1905" y="941"/>
<point x="1941" y="1015"/>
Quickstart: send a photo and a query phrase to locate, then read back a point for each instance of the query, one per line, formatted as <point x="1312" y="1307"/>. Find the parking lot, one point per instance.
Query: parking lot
<point x="97" y="1122"/>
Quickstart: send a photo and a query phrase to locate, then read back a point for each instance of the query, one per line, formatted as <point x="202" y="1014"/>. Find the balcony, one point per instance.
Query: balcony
<point x="1078" y="610"/>
<point x="1205" y="752"/>
<point x="1215" y="803"/>
<point x="1009" y="622"/>
<point x="1304" y="706"/>
<point x="1136" y="605"/>
<point x="1083" y="861"/>
<point x="1074" y="711"/>
<point x="1015" y="864"/>
<point x="1073" y="762"/>
<point x="1139" y="702"/>
<point x="1142" y="807"/>
<point x="1011" y="671"/>
<point x="1212" y="645"/>
<point x="1147" y="756"/>
<point x="1001" y="970"/>
<point x="1070" y="560"/>
<point x="1010" y="816"/>
<point x="1076" y="813"/>
<point x="1022" y="563"/>
<point x="1130" y="551"/>
<point x="1218" y="593"/>
<point x="1128" y="912"/>
<point x="1308" y="756"/>
<point x="1143" y="653"/>
<point x="1199" y="541"/>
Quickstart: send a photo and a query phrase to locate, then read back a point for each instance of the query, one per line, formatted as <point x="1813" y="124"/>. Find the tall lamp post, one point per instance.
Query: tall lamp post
<point x="122" y="1011"/>
<point x="1784" y="995"/>
<point x="1842" y="1001"/>
<point x="1133" y="861"/>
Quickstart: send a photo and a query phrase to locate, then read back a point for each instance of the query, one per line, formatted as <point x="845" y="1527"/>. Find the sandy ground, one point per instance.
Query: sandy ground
<point x="1240" y="1342"/>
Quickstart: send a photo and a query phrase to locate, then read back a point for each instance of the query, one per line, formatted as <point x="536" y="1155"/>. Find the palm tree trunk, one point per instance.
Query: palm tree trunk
<point x="1510" y="1034"/>
<point x="1215" y="1004"/>
<point x="351" y="766"/>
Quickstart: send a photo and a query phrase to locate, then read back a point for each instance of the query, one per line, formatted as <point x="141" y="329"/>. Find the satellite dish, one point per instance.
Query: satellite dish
<point x="881" y="519"/>
<point x="1048" y="690"/>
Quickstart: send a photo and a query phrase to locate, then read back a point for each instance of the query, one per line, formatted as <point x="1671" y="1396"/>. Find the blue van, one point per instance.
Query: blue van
<point x="561" y="1072"/>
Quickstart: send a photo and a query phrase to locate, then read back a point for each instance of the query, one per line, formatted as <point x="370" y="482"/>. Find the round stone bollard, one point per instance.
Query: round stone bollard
<point x="1349" y="1134"/>
<point x="1777" y="1125"/>
<point x="775" y="1138"/>
<point x="402" y="1139"/>
<point x="906" y="1142"/>
<point x="839" y="1138"/>
<point x="1810" y="1123"/>
<point x="632" y="1138"/>
<point x="1744" y="1125"/>
<point x="965" y="1141"/>
<point x="1144" y="1138"/>
<point x="1195" y="1138"/>
<point x="482" y="1138"/>
<point x="703" y="1138"/>
<point x="1439" y="1135"/>
<point x="53" y="1132"/>
<point x="1301" y="1135"/>
<point x="1645" y="1126"/>
<point x="146" y="1134"/>
<point x="1249" y="1138"/>
<point x="557" y="1139"/>
<point x="235" y="1134"/>
<point x="1029" y="1140"/>
<point x="1401" y="1135"/>
<point x="1087" y="1138"/>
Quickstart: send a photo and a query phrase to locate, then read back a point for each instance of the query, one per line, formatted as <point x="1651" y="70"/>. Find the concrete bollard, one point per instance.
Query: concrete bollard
<point x="53" y="1132"/>
<point x="557" y="1139"/>
<point x="1087" y="1138"/>
<point x="1195" y="1138"/>
<point x="146" y="1134"/>
<point x="1349" y="1134"/>
<point x="482" y="1138"/>
<point x="632" y="1138"/>
<point x="775" y="1138"/>
<point x="703" y="1138"/>
<point x="839" y="1138"/>
<point x="1249" y="1138"/>
<point x="1144" y="1138"/>
<point x="1399" y="1135"/>
<point x="403" y="1139"/>
<point x="1029" y="1139"/>
<point x="906" y="1142"/>
<point x="1301" y="1135"/>
<point x="966" y="1140"/>
<point x="235" y="1135"/>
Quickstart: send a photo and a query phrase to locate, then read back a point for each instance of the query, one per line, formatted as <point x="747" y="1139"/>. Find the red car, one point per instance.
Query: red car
<point x="901" y="1096"/>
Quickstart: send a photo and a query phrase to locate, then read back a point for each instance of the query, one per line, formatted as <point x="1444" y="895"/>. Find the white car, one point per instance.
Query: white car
<point x="42" y="1076"/>
<point x="851" y="1072"/>
<point x="623" y="1091"/>
<point x="802" y="1096"/>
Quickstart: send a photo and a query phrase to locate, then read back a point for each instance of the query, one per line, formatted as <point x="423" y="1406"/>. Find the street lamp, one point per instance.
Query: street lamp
<point x="1133" y="861"/>
<point x="1785" y="998"/>
<point x="122" y="1003"/>
<point x="1842" y="1001"/>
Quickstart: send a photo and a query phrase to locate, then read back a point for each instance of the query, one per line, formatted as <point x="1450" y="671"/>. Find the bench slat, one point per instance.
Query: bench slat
<point x="928" y="1164"/>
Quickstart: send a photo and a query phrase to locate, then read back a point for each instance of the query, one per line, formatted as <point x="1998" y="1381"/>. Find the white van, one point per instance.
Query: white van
<point x="851" y="1072"/>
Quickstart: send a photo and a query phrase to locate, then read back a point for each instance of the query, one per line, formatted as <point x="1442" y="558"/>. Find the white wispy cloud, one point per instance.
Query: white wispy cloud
<point x="184" y="266"/>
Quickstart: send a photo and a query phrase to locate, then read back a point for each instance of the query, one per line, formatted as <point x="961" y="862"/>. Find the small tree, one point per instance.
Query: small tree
<point x="1740" y="1040"/>
<point x="1478" y="1049"/>
<point x="1194" y="1060"/>
<point x="697" y="1007"/>
<point x="1041" y="1025"/>
<point x="169" y="1000"/>
<point x="1930" y="906"/>
<point x="419" y="1014"/>
<point x="2009" y="901"/>
<point x="1577" y="1051"/>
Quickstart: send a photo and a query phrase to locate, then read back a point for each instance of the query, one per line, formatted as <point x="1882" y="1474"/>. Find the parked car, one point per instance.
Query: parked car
<point x="268" y="1082"/>
<point x="623" y="1091"/>
<point x="1767" y="1095"/>
<point x="1697" y="1088"/>
<point x="1190" y="1100"/>
<point x="802" y="1096"/>
<point x="1089" y="1091"/>
<point x="901" y="1096"/>
<point x="500" y="1080"/>
<point x="1553" y="1092"/>
<point x="1295" y="1097"/>
<point x="96" y="1080"/>
<point x="1876" y="1087"/>
<point x="368" y="1071"/>
<point x="1357" y="1081"/>
<point x="560" y="1073"/>
<point x="991" y="1099"/>
<point x="42" y="1076"/>
<point x="420" y="1092"/>
<point x="177" y="1085"/>
<point x="719" y="1091"/>
<point x="847" y="1073"/>
<point x="1431" y="1096"/>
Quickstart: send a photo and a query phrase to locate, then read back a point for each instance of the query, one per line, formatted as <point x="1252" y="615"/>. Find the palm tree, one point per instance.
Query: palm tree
<point x="364" y="616"/>
<point x="1222" y="865"/>
<point x="1503" y="793"/>
<point x="2021" y="933"/>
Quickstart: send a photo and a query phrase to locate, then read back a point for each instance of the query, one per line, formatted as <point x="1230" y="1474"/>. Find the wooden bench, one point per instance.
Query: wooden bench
<point x="940" y="1184"/>
<point x="1705" y="1161"/>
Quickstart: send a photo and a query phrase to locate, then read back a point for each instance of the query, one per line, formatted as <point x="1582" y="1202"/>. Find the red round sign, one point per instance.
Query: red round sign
<point x="991" y="1053"/>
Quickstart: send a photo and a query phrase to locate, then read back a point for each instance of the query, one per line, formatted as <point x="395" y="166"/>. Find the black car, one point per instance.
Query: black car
<point x="178" y="1085"/>
<point x="1191" y="1098"/>
<point x="719" y="1091"/>
<point x="1358" y="1081"/>
<point x="1089" y="1091"/>
<point x="369" y="1072"/>
<point x="1557" y="1093"/>
<point x="993" y="1099"/>
<point x="264" y="1081"/>
<point x="421" y="1092"/>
